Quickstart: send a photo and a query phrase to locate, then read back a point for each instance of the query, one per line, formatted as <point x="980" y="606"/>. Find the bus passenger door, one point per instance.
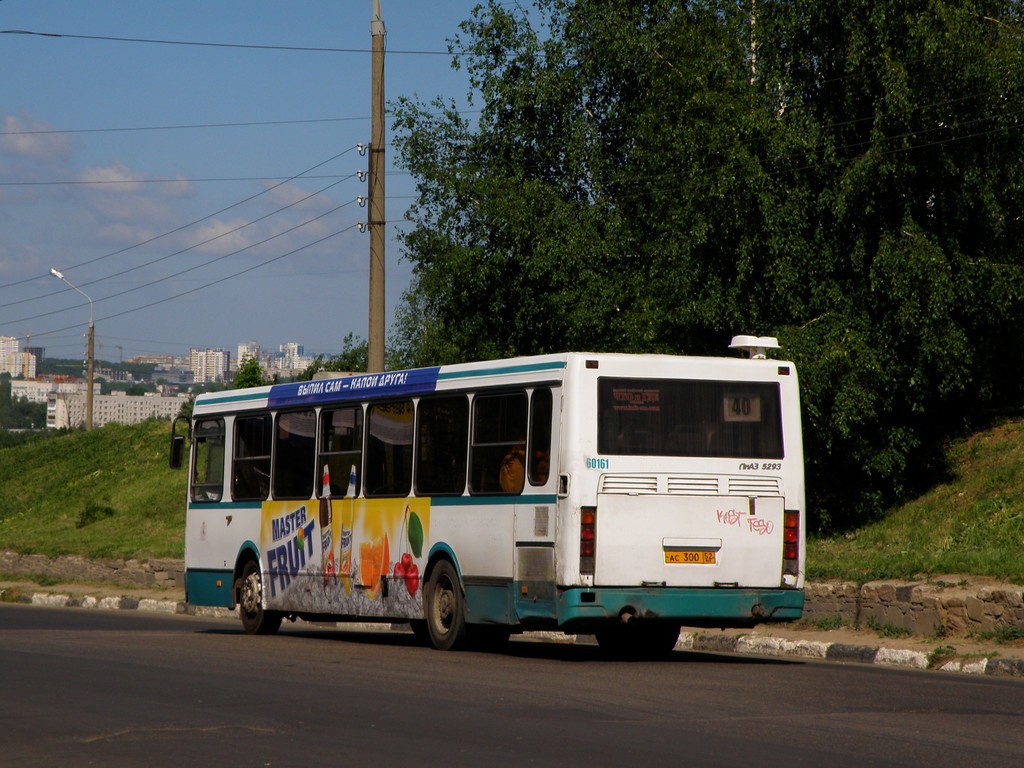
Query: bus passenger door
<point x="534" y="577"/>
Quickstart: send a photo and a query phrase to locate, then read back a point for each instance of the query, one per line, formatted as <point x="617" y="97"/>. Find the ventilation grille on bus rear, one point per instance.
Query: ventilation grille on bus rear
<point x="754" y="486"/>
<point x="629" y="484"/>
<point x="691" y="485"/>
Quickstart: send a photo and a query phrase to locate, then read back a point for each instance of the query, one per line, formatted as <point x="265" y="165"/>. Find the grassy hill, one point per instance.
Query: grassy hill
<point x="104" y="493"/>
<point x="109" y="493"/>
<point x="971" y="524"/>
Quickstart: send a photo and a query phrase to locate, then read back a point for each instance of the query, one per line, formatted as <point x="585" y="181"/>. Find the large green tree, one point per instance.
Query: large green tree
<point x="916" y="286"/>
<point x="656" y="176"/>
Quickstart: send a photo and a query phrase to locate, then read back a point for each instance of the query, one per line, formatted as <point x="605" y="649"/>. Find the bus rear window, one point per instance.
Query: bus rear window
<point x="669" y="417"/>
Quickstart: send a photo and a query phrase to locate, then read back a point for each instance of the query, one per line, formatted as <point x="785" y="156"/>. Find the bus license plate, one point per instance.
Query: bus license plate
<point x="690" y="557"/>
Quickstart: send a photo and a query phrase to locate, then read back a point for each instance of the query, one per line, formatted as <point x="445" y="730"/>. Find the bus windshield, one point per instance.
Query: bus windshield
<point x="672" y="417"/>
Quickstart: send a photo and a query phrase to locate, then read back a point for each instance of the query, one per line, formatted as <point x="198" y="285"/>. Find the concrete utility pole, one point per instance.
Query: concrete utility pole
<point x="375" y="339"/>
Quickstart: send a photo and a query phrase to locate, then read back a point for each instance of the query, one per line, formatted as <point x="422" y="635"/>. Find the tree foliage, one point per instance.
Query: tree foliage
<point x="352" y="358"/>
<point x="249" y="374"/>
<point x="653" y="176"/>
<point x="18" y="412"/>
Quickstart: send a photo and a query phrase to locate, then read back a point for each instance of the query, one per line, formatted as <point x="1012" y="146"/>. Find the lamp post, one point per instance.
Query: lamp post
<point x="92" y="336"/>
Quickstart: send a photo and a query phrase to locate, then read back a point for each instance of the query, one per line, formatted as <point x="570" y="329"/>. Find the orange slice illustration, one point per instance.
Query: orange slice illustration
<point x="374" y="559"/>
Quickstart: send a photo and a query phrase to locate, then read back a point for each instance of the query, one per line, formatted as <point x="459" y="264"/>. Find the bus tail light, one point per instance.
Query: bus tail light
<point x="588" y="539"/>
<point x="791" y="542"/>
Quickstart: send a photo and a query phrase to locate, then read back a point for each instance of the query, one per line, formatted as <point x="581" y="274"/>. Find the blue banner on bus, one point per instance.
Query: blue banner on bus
<point x="414" y="382"/>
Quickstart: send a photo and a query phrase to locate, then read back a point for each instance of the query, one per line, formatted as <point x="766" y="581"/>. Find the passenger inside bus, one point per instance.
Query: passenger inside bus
<point x="512" y="474"/>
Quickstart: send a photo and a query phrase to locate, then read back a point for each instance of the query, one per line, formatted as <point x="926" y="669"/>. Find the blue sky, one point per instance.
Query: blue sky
<point x="207" y="144"/>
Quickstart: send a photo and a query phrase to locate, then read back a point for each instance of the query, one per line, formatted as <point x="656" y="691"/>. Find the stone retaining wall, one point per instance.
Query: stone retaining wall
<point x="932" y="609"/>
<point x="167" y="573"/>
<point x="940" y="609"/>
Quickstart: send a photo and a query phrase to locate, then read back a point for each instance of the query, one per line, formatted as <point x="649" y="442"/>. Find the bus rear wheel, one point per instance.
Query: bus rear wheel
<point x="445" y="608"/>
<point x="255" y="620"/>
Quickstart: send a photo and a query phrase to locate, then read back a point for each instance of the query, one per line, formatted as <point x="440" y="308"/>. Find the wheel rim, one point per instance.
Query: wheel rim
<point x="444" y="606"/>
<point x="252" y="593"/>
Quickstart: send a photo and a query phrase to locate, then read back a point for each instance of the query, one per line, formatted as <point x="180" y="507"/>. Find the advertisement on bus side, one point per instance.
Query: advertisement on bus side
<point x="345" y="555"/>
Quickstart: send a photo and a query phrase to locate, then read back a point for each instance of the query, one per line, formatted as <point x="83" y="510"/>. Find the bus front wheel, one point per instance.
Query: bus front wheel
<point x="255" y="620"/>
<point x="445" y="608"/>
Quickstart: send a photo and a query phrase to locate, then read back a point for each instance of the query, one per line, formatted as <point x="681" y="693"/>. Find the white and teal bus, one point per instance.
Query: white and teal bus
<point x="608" y="494"/>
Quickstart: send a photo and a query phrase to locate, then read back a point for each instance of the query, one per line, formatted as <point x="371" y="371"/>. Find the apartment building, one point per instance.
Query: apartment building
<point x="210" y="365"/>
<point x="15" y="361"/>
<point x="40" y="391"/>
<point x="64" y="411"/>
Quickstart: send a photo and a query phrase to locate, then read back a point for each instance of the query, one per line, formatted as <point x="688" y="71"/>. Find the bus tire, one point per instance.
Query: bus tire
<point x="255" y="620"/>
<point x="420" y="631"/>
<point x="445" y="608"/>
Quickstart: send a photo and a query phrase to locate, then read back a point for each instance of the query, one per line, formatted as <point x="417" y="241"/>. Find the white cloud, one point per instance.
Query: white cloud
<point x="118" y="176"/>
<point x="224" y="236"/>
<point x="27" y="137"/>
<point x="290" y="195"/>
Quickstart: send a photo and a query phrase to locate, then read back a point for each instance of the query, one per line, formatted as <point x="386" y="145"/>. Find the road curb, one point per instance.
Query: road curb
<point x="753" y="645"/>
<point x="846" y="653"/>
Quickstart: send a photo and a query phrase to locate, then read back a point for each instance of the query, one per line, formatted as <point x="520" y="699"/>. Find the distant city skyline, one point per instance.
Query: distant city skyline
<point x="207" y="363"/>
<point x="193" y="169"/>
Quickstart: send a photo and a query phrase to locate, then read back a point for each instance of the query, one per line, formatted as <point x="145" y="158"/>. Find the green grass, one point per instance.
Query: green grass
<point x="972" y="524"/>
<point x="109" y="493"/>
<point x="1005" y="634"/>
<point x="103" y="494"/>
<point x="887" y="630"/>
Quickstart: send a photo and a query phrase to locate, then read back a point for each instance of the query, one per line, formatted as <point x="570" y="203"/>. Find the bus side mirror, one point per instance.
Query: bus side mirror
<point x="177" y="450"/>
<point x="177" y="444"/>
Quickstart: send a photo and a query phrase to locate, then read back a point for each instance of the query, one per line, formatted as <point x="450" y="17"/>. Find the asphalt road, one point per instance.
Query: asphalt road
<point x="130" y="689"/>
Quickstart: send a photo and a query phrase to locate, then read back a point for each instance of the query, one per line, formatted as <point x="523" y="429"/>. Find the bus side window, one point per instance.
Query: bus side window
<point x="497" y="454"/>
<point x="442" y="433"/>
<point x="208" y="466"/>
<point x="251" y="481"/>
<point x="540" y="437"/>
<point x="294" y="454"/>
<point x="341" y="449"/>
<point x="389" y="449"/>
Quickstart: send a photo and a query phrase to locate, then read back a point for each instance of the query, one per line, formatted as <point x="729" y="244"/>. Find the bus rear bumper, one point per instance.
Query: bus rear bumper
<point x="584" y="609"/>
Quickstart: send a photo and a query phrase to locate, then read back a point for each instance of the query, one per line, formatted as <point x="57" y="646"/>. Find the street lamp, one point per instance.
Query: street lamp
<point x="92" y="336"/>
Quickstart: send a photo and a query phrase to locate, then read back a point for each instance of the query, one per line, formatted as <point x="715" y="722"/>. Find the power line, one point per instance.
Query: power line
<point x="205" y="264"/>
<point x="184" y="250"/>
<point x="193" y="126"/>
<point x="83" y="182"/>
<point x="227" y="277"/>
<point x="249" y="46"/>
<point x="200" y="287"/>
<point x="302" y="174"/>
<point x="245" y="124"/>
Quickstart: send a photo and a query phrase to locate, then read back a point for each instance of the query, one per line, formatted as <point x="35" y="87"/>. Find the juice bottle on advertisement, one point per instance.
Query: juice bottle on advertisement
<point x="326" y="532"/>
<point x="346" y="526"/>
